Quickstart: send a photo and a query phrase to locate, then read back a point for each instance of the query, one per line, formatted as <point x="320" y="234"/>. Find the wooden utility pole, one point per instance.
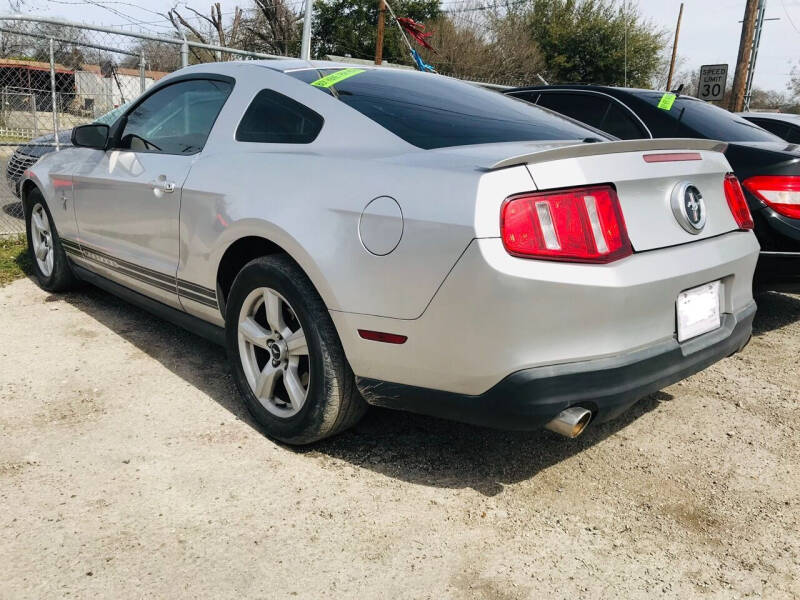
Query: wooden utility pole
<point x="743" y="60"/>
<point x="381" y="25"/>
<point x="674" y="49"/>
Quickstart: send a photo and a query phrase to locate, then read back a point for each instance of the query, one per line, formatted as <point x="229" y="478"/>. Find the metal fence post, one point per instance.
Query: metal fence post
<point x="142" y="73"/>
<point x="305" y="44"/>
<point x="53" y="94"/>
<point x="185" y="54"/>
<point x="35" y="116"/>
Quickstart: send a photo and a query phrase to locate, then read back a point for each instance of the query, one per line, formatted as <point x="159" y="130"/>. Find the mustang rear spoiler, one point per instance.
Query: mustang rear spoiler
<point x="594" y="149"/>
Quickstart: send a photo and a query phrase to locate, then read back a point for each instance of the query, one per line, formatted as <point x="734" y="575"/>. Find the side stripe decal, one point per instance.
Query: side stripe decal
<point x="185" y="289"/>
<point x="196" y="298"/>
<point x="197" y="289"/>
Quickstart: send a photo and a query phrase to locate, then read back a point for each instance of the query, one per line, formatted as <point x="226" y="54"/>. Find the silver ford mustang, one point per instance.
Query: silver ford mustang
<point x="366" y="236"/>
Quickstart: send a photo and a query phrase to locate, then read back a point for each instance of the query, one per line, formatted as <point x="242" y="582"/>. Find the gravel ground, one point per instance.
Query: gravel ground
<point x="128" y="468"/>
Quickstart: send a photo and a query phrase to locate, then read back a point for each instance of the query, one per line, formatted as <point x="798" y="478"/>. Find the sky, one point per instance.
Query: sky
<point x="709" y="32"/>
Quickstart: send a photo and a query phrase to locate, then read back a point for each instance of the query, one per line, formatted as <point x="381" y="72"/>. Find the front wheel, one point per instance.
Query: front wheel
<point x="286" y="356"/>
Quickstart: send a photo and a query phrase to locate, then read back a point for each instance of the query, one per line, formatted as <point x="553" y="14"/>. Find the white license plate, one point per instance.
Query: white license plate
<point x="698" y="311"/>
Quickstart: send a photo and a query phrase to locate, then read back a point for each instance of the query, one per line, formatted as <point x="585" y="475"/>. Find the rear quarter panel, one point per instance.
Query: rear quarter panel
<point x="310" y="206"/>
<point x="308" y="199"/>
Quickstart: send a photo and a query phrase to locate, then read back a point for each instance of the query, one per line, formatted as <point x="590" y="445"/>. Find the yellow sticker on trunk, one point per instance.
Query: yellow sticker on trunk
<point x="336" y="77"/>
<point x="666" y="102"/>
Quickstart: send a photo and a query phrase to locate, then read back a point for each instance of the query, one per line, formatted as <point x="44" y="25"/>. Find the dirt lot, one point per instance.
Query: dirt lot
<point x="129" y="469"/>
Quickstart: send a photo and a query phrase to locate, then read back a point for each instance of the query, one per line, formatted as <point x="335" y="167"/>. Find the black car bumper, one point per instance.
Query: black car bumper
<point x="778" y="271"/>
<point x="530" y="398"/>
<point x="778" y="266"/>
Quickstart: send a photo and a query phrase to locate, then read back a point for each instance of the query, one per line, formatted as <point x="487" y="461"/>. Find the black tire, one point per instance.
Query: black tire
<point x="61" y="278"/>
<point x="332" y="403"/>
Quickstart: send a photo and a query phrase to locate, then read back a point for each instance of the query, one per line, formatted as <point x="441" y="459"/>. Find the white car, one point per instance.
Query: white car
<point x="368" y="235"/>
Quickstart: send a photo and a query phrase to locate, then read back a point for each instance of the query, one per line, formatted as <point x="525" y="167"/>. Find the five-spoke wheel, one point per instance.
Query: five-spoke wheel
<point x="49" y="260"/>
<point x="274" y="352"/>
<point x="287" y="359"/>
<point x="42" y="239"/>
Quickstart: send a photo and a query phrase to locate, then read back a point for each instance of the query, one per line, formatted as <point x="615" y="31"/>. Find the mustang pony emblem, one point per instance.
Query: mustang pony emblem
<point x="689" y="207"/>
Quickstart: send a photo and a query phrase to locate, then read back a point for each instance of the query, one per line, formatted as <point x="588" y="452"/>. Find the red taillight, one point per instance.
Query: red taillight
<point x="578" y="224"/>
<point x="737" y="202"/>
<point x="780" y="193"/>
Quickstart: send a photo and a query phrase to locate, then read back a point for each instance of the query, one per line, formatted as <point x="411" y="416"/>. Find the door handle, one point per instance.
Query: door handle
<point x="163" y="186"/>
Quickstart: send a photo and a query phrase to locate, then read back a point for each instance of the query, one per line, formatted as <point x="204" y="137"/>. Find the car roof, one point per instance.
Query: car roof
<point x="785" y="117"/>
<point x="287" y="65"/>
<point x="606" y="89"/>
<point x="581" y="87"/>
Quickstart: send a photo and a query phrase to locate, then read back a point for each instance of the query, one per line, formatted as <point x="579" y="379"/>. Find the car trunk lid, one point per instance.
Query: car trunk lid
<point x="646" y="174"/>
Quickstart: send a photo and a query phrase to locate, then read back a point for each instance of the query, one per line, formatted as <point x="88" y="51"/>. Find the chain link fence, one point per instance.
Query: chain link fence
<point x="55" y="75"/>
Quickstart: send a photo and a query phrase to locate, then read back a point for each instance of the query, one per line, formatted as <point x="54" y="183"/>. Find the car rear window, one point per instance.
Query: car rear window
<point x="707" y="120"/>
<point x="430" y="111"/>
<point x="273" y="118"/>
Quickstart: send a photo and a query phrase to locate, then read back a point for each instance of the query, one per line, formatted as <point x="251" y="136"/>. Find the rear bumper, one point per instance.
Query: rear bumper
<point x="530" y="398"/>
<point x="495" y="315"/>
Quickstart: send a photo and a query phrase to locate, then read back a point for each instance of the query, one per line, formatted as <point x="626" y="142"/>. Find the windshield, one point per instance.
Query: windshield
<point x="112" y="115"/>
<point x="430" y="111"/>
<point x="708" y="121"/>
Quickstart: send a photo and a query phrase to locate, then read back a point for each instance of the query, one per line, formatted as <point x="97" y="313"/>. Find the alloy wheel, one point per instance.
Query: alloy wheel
<point x="42" y="240"/>
<point x="274" y="352"/>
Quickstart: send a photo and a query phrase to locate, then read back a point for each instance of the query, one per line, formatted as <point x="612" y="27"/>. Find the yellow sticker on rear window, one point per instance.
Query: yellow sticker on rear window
<point x="336" y="77"/>
<point x="666" y="102"/>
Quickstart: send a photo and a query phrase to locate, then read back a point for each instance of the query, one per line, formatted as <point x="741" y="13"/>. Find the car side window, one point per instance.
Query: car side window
<point x="273" y="118"/>
<point x="531" y="96"/>
<point x="778" y="128"/>
<point x="176" y="119"/>
<point x="620" y="122"/>
<point x="794" y="134"/>
<point x="587" y="108"/>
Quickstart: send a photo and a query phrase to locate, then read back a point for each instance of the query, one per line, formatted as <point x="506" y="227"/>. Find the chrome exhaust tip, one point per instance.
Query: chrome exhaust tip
<point x="570" y="422"/>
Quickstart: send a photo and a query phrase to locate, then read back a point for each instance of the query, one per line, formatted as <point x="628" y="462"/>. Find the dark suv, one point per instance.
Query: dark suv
<point x="767" y="166"/>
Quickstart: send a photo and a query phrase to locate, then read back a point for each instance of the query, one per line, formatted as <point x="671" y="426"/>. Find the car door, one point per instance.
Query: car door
<point x="127" y="198"/>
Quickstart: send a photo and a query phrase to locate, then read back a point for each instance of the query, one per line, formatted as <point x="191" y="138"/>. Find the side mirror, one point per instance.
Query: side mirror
<point x="94" y="135"/>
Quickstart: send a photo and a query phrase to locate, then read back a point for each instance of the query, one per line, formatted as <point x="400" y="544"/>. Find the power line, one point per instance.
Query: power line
<point x="163" y="22"/>
<point x="122" y="15"/>
<point x="789" y="17"/>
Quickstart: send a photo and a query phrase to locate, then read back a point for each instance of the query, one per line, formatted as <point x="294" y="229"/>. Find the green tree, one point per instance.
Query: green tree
<point x="349" y="27"/>
<point x="494" y="48"/>
<point x="584" y="41"/>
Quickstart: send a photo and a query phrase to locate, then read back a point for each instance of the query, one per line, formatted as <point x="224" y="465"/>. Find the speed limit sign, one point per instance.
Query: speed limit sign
<point x="712" y="82"/>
